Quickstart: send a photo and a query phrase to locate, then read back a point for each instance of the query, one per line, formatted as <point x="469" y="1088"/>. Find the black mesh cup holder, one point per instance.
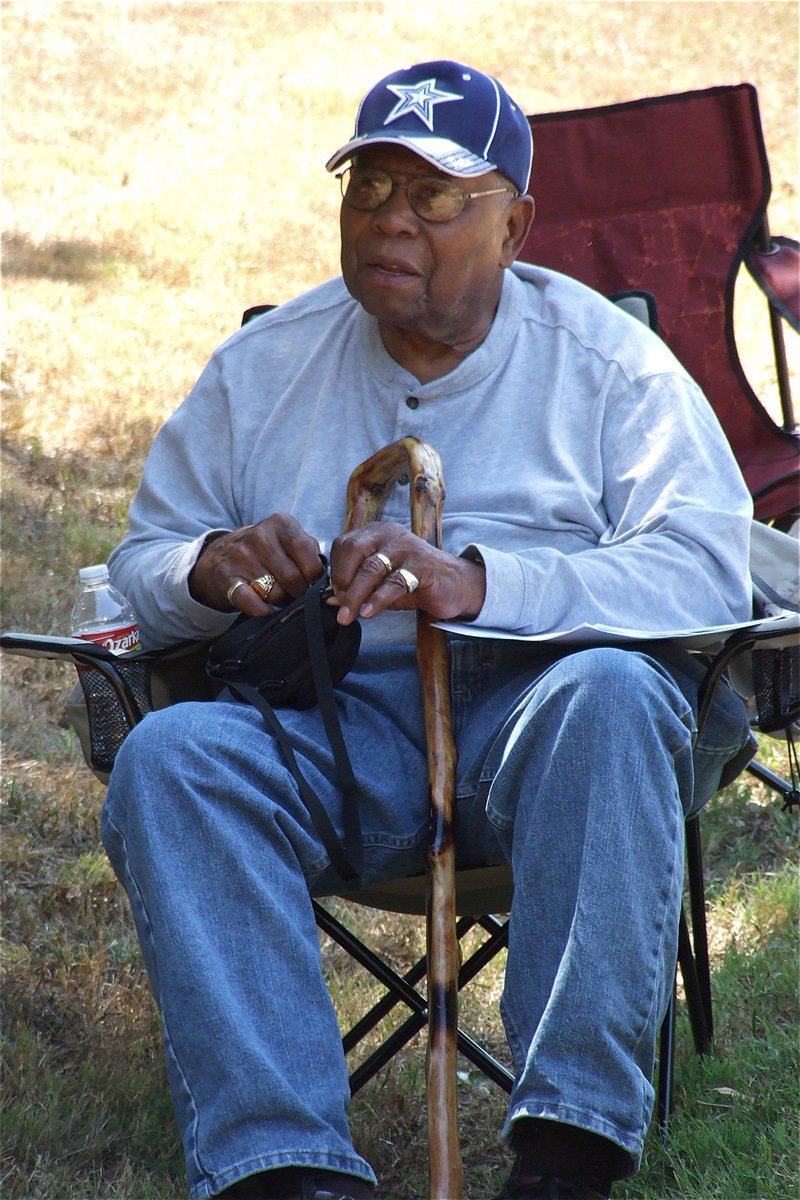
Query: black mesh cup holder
<point x="117" y="696"/>
<point x="776" y="683"/>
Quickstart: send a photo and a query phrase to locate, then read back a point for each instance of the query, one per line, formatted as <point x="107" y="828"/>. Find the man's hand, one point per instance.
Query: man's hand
<point x="365" y="584"/>
<point x="277" y="552"/>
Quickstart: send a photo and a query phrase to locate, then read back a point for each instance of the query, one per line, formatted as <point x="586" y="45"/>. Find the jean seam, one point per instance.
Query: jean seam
<point x="211" y="1185"/>
<point x="571" y="1115"/>
<point x="394" y="843"/>
<point x="658" y="980"/>
<point x="134" y="890"/>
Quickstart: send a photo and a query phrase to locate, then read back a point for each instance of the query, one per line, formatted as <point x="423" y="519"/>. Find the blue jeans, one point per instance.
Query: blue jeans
<point x="579" y="770"/>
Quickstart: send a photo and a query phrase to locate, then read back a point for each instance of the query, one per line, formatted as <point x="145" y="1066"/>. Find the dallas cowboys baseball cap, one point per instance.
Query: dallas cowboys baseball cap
<point x="455" y="117"/>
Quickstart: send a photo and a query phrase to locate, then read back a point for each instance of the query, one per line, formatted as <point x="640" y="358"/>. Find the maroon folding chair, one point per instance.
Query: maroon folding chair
<point x="669" y="195"/>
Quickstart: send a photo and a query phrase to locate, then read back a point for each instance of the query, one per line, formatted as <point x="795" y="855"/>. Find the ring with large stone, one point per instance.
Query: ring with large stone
<point x="237" y="583"/>
<point x="385" y="561"/>
<point x="263" y="585"/>
<point x="409" y="579"/>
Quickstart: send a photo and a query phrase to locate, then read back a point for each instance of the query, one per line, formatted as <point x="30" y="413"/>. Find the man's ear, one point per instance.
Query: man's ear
<point x="519" y="218"/>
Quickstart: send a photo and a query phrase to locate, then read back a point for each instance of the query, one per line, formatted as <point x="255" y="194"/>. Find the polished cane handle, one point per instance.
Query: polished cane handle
<point x="370" y="486"/>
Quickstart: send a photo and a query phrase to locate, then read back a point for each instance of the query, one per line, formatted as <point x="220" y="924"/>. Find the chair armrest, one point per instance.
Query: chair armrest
<point x="777" y="272"/>
<point x="117" y="691"/>
<point x="45" y="645"/>
<point x="774" y="648"/>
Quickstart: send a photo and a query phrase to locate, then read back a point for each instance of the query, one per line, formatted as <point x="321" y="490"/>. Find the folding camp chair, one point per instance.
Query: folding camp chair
<point x="669" y="194"/>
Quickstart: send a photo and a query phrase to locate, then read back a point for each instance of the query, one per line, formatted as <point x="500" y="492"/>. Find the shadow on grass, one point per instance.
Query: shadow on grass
<point x="67" y="261"/>
<point x="58" y="514"/>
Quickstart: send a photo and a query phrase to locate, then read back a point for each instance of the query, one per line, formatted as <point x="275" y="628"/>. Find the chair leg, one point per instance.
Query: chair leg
<point x="697" y="901"/>
<point x="401" y="989"/>
<point x="477" y="1055"/>
<point x="666" y="1067"/>
<point x="786" y="789"/>
<point x="695" y="1002"/>
<point x="701" y="1034"/>
<point x="695" y="967"/>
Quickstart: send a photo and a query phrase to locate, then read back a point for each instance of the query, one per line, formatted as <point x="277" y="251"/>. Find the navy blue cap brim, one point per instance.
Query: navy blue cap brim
<point x="440" y="152"/>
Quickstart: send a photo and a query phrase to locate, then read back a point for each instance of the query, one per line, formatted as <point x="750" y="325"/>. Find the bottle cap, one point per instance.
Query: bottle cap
<point x="93" y="574"/>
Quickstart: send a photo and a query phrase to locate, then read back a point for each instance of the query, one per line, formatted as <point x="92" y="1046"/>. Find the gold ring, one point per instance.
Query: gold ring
<point x="237" y="583"/>
<point x="263" y="585"/>
<point x="409" y="579"/>
<point x="386" y="562"/>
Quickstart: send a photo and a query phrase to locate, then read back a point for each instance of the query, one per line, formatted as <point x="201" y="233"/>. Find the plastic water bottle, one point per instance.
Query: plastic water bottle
<point x="102" y="614"/>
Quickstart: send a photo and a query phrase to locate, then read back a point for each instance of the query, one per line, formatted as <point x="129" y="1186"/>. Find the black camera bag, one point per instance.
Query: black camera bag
<point x="293" y="659"/>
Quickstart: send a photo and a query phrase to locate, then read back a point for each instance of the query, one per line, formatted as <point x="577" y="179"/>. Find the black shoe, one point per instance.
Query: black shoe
<point x="327" y="1186"/>
<point x="294" y="1184"/>
<point x="520" y="1185"/>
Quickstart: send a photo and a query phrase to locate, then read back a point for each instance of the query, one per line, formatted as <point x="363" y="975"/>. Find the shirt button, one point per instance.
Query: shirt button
<point x="412" y="402"/>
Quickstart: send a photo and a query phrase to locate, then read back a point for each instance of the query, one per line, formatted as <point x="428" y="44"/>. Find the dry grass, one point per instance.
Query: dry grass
<point x="163" y="170"/>
<point x="164" y="162"/>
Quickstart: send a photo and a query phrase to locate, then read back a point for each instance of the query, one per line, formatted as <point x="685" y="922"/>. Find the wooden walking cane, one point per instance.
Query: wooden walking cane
<point x="370" y="485"/>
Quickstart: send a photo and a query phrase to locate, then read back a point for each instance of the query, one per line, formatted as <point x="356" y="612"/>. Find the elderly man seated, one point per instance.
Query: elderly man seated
<point x="587" y="481"/>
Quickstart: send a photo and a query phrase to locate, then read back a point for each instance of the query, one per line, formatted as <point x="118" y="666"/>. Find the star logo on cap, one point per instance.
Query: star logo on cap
<point x="419" y="99"/>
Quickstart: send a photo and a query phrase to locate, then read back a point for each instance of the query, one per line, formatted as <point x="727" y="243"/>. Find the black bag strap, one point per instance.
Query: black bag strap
<point x="345" y="855"/>
<point x="321" y="670"/>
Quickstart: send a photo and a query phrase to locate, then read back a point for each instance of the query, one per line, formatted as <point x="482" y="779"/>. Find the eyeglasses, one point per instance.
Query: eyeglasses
<point x="433" y="199"/>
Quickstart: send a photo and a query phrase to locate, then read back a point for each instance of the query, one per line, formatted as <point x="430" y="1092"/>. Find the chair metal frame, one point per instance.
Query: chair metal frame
<point x="494" y="882"/>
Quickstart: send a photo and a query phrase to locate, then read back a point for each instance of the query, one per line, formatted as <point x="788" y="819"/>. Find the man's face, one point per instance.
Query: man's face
<point x="437" y="280"/>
